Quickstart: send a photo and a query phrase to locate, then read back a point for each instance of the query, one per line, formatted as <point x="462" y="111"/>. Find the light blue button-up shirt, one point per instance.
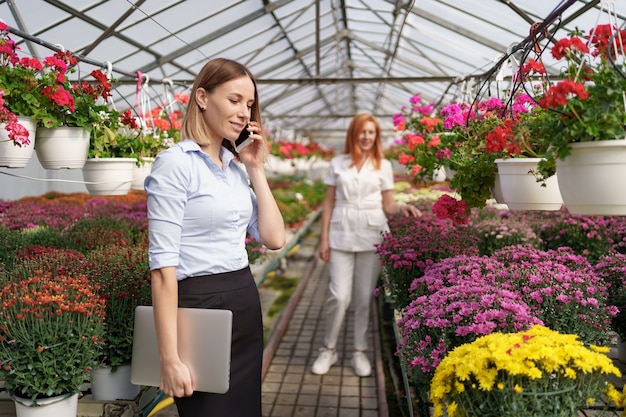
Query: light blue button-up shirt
<point x="198" y="214"/>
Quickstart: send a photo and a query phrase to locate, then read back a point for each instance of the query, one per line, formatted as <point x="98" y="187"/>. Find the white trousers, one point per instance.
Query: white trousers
<point x="352" y="274"/>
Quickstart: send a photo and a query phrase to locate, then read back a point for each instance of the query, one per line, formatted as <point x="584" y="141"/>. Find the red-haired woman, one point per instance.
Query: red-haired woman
<point x="359" y="196"/>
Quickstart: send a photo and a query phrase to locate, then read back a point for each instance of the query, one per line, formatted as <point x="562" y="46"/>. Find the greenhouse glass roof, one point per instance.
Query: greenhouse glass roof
<point x="317" y="62"/>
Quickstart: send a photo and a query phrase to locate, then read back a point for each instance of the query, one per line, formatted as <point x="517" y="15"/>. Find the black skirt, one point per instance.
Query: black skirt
<point x="235" y="291"/>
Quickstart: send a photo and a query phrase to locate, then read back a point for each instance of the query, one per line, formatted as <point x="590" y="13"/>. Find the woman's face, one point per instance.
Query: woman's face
<point x="228" y="108"/>
<point x="367" y="137"/>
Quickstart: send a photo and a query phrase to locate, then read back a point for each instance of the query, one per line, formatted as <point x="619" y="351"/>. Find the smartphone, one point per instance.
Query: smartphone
<point x="243" y="140"/>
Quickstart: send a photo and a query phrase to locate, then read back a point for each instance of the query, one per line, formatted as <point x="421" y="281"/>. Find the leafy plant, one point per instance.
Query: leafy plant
<point x="159" y="128"/>
<point x="423" y="145"/>
<point x="113" y="134"/>
<point x="561" y="288"/>
<point x="95" y="232"/>
<point x="48" y="347"/>
<point x="20" y="93"/>
<point x="56" y="261"/>
<point x="455" y="137"/>
<point x="504" y="230"/>
<point x="585" y="235"/>
<point x="71" y="104"/>
<point x="285" y="149"/>
<point x="612" y="269"/>
<point x="588" y="103"/>
<point x="297" y="200"/>
<point x="123" y="278"/>
<point x="256" y="251"/>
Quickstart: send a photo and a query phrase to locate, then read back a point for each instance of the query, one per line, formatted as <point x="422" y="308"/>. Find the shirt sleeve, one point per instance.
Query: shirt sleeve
<point x="167" y="197"/>
<point x="253" y="226"/>
<point x="330" y="178"/>
<point x="387" y="175"/>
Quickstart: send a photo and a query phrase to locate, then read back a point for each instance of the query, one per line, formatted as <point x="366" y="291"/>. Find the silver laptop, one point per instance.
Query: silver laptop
<point x="204" y="339"/>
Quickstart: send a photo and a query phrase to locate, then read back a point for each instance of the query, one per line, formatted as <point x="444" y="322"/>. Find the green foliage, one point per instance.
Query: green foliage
<point x="296" y="199"/>
<point x="585" y="235"/>
<point x="10" y="242"/>
<point x="123" y="276"/>
<point x="475" y="176"/>
<point x="46" y="348"/>
<point x="21" y="89"/>
<point x="286" y="287"/>
<point x="292" y="211"/>
<point x="54" y="261"/>
<point x="44" y="236"/>
<point x="598" y="115"/>
<point x="109" y="138"/>
<point x="95" y="232"/>
<point x="504" y="230"/>
<point x="612" y="269"/>
<point x="255" y="250"/>
<point x="313" y="192"/>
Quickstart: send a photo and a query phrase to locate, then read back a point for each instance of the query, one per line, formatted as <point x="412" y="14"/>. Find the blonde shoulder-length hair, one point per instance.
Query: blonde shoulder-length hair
<point x="215" y="73"/>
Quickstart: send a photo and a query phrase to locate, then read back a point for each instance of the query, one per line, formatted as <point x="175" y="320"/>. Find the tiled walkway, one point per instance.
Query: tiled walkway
<point x="290" y="389"/>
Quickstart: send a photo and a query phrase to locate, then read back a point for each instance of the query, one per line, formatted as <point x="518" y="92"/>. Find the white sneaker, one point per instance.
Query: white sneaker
<point x="361" y="364"/>
<point x="326" y="359"/>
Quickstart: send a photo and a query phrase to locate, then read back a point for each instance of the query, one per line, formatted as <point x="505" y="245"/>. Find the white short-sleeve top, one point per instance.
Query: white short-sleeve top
<point x="358" y="219"/>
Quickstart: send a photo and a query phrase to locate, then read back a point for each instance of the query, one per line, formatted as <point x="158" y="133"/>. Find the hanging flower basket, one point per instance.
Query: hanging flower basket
<point x="520" y="189"/>
<point x="109" y="176"/>
<point x="591" y="178"/>
<point x="62" y="147"/>
<point x="141" y="172"/>
<point x="13" y="155"/>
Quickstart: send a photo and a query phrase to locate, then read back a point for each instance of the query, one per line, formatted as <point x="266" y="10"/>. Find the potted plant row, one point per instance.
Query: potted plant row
<point x="73" y="120"/>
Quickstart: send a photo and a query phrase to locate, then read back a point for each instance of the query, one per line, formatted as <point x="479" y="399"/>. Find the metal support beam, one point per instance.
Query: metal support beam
<point x="111" y="29"/>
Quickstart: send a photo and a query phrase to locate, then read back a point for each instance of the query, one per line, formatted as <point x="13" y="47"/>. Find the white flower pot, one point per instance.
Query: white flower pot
<point x="520" y="189"/>
<point x="591" y="179"/>
<point x="301" y="166"/>
<point x="496" y="191"/>
<point x="439" y="175"/>
<point x="109" y="176"/>
<point x="449" y="173"/>
<point x="61" y="406"/>
<point x="140" y="173"/>
<point x="398" y="168"/>
<point x="109" y="386"/>
<point x="62" y="147"/>
<point x="16" y="156"/>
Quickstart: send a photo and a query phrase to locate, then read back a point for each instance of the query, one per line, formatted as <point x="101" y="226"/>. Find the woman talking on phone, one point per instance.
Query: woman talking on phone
<point x="200" y="206"/>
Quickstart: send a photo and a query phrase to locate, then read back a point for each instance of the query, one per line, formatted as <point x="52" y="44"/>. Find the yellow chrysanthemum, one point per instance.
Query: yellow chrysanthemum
<point x="487" y="379"/>
<point x="537" y="360"/>
<point x="615" y="396"/>
<point x="570" y="373"/>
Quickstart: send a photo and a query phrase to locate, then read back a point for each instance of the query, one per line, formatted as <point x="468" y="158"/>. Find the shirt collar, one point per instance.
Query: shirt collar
<point x="189" y="145"/>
